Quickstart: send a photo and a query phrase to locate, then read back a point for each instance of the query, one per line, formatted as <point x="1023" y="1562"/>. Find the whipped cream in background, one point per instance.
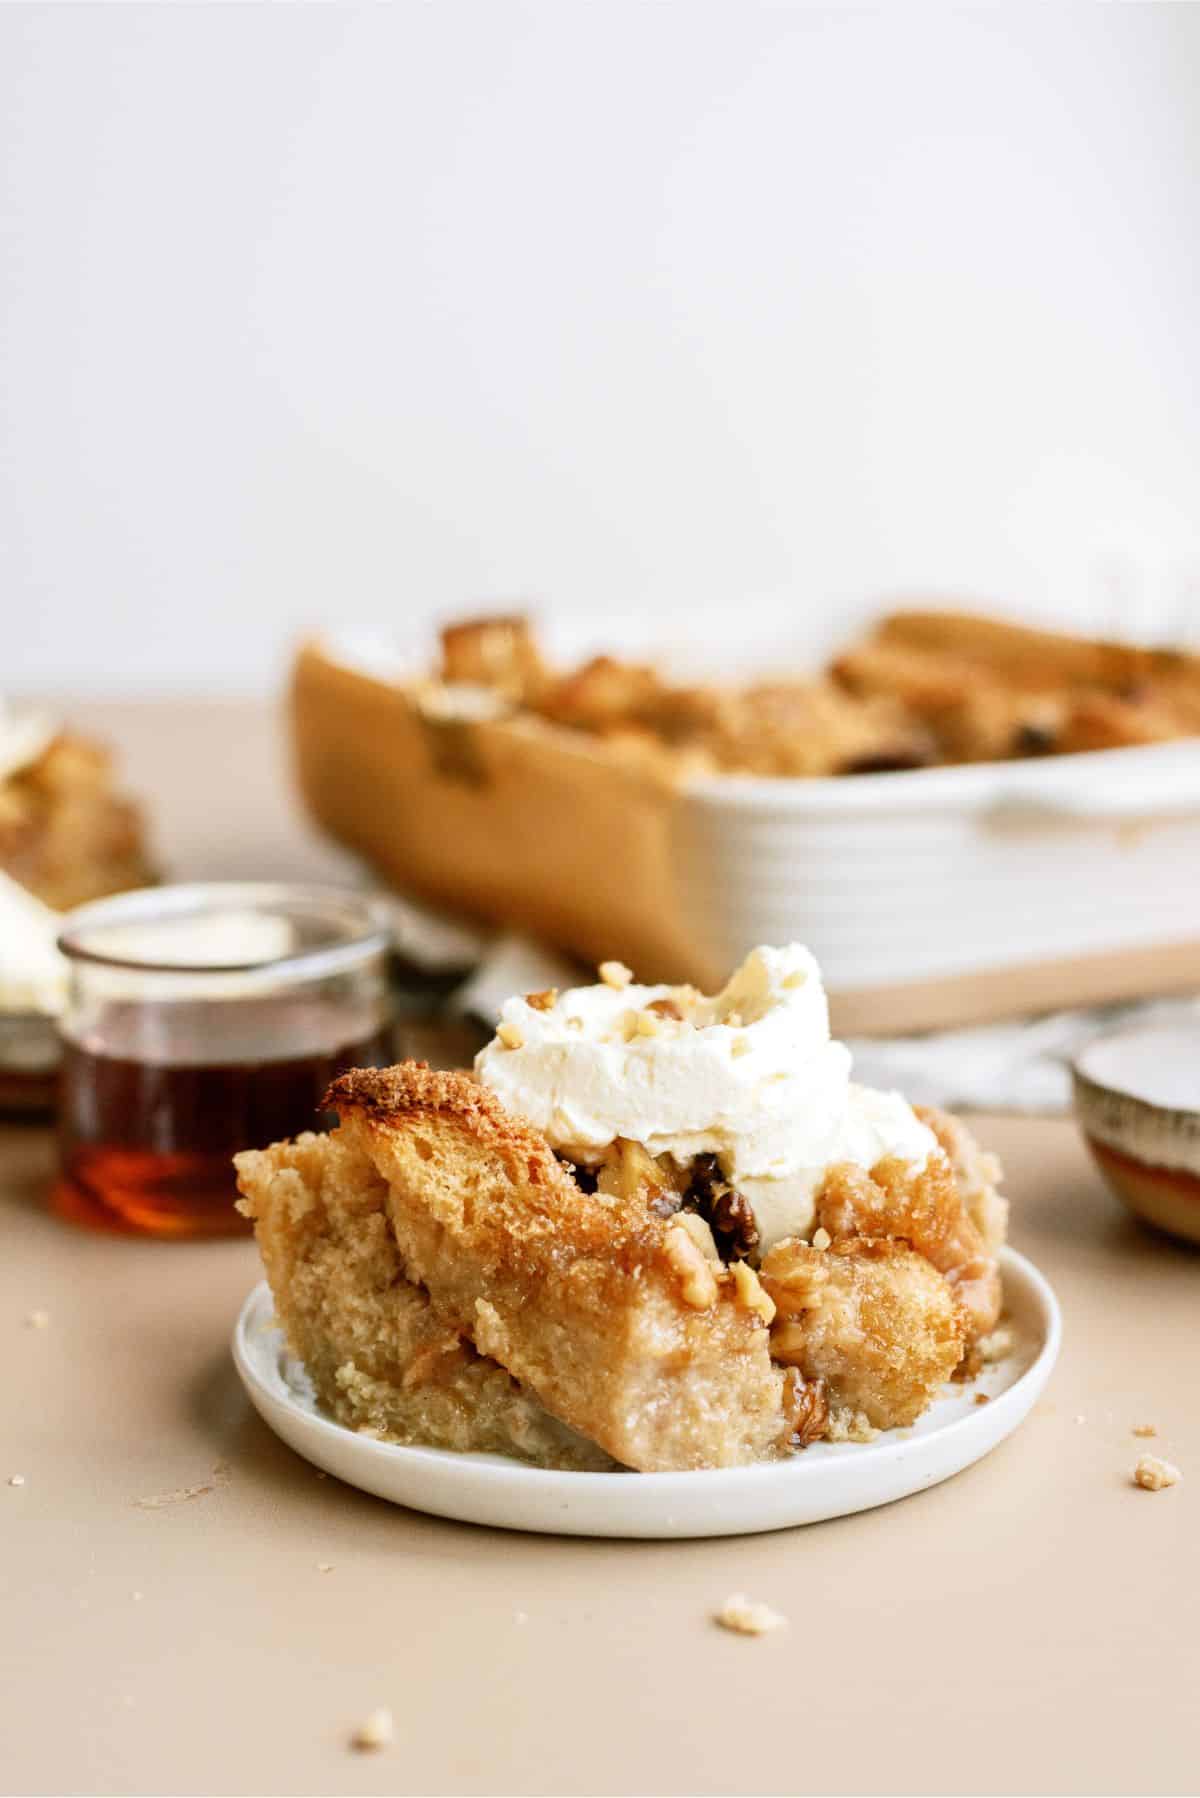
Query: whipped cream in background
<point x="33" y="975"/>
<point x="750" y="1075"/>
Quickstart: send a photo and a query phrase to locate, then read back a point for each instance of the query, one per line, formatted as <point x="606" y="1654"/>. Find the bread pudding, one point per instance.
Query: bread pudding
<point x="922" y="688"/>
<point x="652" y="1230"/>
<point x="66" y="834"/>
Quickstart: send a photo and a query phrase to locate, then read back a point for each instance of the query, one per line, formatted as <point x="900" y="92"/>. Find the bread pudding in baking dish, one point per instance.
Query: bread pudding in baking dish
<point x="920" y="689"/>
<point x="653" y="1229"/>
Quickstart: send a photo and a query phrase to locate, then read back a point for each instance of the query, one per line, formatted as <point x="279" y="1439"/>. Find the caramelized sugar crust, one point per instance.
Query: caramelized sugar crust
<point x="614" y="1317"/>
<point x="926" y="1210"/>
<point x="873" y="1320"/>
<point x="380" y="1357"/>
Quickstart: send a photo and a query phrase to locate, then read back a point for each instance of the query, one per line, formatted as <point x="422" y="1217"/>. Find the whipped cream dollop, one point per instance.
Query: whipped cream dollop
<point x="749" y="1074"/>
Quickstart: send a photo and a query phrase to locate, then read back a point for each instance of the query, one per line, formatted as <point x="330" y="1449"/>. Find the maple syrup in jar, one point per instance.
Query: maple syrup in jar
<point x="202" y="1020"/>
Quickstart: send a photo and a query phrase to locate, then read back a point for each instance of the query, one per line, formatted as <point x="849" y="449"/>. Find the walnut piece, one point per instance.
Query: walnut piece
<point x="750" y="1291"/>
<point x="510" y="1035"/>
<point x="696" y="1272"/>
<point x="729" y="1213"/>
<point x="546" y="1000"/>
<point x="806" y="1407"/>
<point x="615" y="974"/>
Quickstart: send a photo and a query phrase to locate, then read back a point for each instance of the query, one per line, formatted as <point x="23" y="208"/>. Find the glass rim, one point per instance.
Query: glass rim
<point x="368" y="934"/>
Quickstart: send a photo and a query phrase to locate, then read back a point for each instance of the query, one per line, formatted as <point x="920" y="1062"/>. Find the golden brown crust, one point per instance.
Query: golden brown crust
<point x="926" y="1210"/>
<point x="919" y="687"/>
<point x="871" y="1318"/>
<point x="583" y="1297"/>
<point x="380" y="1356"/>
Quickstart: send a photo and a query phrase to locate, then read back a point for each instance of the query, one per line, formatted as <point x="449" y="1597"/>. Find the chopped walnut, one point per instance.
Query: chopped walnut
<point x="510" y="1035"/>
<point x="1144" y="1429"/>
<point x="983" y="1398"/>
<point x="665" y="1008"/>
<point x="546" y="1000"/>
<point x="1153" y="1475"/>
<point x="375" y="1731"/>
<point x="696" y="1272"/>
<point x="729" y="1213"/>
<point x="615" y="974"/>
<point x="806" y="1407"/>
<point x="821" y="1239"/>
<point x="747" y="1618"/>
<point x="701" y="1235"/>
<point x="630" y="1172"/>
<point x="750" y="1291"/>
<point x="648" y="1023"/>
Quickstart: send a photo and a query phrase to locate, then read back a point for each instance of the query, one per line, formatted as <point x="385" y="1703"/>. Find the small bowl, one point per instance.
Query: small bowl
<point x="1137" y="1099"/>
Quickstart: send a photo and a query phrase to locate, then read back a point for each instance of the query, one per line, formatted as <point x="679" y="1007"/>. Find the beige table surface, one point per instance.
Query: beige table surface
<point x="1026" y="1627"/>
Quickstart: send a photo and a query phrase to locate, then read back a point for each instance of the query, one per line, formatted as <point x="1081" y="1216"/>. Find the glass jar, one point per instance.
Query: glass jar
<point x="201" y="1020"/>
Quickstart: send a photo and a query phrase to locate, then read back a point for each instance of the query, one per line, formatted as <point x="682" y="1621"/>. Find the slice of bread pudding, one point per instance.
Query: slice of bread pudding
<point x="615" y="1317"/>
<point x="380" y="1358"/>
<point x="653" y="1230"/>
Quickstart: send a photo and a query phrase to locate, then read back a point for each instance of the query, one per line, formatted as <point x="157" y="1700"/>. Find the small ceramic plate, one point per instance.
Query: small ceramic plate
<point x="827" y="1480"/>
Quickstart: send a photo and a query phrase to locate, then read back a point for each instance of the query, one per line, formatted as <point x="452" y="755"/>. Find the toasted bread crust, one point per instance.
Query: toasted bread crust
<point x="579" y="1295"/>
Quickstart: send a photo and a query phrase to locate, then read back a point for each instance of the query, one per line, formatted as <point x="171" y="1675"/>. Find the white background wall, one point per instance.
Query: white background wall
<point x="721" y="317"/>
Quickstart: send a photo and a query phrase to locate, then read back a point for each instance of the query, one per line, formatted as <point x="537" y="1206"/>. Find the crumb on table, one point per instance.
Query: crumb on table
<point x="1153" y="1475"/>
<point x="748" y="1618"/>
<point x="1144" y="1429"/>
<point x="375" y="1731"/>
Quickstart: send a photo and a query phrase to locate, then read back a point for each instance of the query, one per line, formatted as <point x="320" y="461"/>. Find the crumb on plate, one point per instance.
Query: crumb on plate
<point x="997" y="1345"/>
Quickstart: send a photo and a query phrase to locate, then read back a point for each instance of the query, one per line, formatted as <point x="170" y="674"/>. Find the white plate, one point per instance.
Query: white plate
<point x="827" y="1480"/>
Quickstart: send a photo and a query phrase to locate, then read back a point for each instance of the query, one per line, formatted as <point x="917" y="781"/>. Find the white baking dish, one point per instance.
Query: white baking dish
<point x="937" y="896"/>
